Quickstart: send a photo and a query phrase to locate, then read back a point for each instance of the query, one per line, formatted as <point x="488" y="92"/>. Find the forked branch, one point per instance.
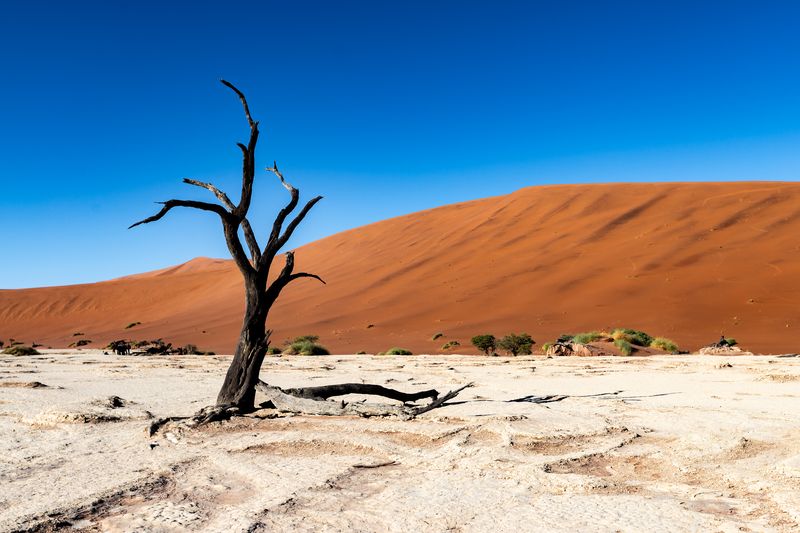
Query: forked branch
<point x="287" y="234"/>
<point x="249" y="235"/>
<point x="248" y="156"/>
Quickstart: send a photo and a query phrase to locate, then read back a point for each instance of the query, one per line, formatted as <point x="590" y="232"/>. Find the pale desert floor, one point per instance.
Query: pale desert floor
<point x="672" y="443"/>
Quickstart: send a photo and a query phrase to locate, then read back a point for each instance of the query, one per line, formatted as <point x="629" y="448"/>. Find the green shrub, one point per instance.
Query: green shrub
<point x="665" y="344"/>
<point x="546" y="346"/>
<point x="730" y="341"/>
<point x="19" y="349"/>
<point x="398" y="351"/>
<point x="305" y="338"/>
<point x="486" y="343"/>
<point x="516" y="344"/>
<point x="437" y="336"/>
<point x="624" y="346"/>
<point x="306" y="347"/>
<point x="274" y="350"/>
<point x="633" y="336"/>
<point x="449" y="345"/>
<point x="586" y="338"/>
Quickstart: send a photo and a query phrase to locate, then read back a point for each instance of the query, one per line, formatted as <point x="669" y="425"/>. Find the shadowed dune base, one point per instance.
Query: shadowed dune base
<point x="687" y="261"/>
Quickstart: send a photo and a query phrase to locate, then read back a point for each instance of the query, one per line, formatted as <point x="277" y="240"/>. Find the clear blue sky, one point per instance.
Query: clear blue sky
<point x="384" y="108"/>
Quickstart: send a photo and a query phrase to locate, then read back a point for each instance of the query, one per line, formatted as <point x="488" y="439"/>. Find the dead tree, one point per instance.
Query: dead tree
<point x="237" y="394"/>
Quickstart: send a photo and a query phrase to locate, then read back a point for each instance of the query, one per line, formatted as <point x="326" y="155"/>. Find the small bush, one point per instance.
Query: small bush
<point x="119" y="347"/>
<point x="398" y="351"/>
<point x="624" y="346"/>
<point x="546" y="346"/>
<point x="77" y="334"/>
<point x="486" y="343"/>
<point x="516" y="344"/>
<point x="586" y="338"/>
<point x="273" y="350"/>
<point x="565" y="337"/>
<point x="450" y="345"/>
<point x="19" y="349"/>
<point x="633" y="336"/>
<point x="665" y="344"/>
<point x="305" y="338"/>
<point x="730" y="341"/>
<point x="437" y="336"/>
<point x="306" y="347"/>
<point x="134" y="324"/>
<point x="2" y="343"/>
<point x="82" y="342"/>
<point x="362" y="352"/>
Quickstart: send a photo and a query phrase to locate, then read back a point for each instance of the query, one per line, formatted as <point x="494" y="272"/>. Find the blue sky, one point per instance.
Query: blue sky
<point x="384" y="108"/>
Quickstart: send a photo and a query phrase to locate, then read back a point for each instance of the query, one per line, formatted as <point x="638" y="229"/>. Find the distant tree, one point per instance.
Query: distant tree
<point x="516" y="344"/>
<point x="486" y="343"/>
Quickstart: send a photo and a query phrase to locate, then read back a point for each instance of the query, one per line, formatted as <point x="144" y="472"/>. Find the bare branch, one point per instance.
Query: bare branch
<point x="296" y="222"/>
<point x="169" y="204"/>
<point x="239" y="93"/>
<point x="252" y="243"/>
<point x="306" y="275"/>
<point x="287" y="276"/>
<point x="288" y="266"/>
<point x="218" y="193"/>
<point x="248" y="156"/>
<point x="274" y="237"/>
<point x="249" y="235"/>
<point x="327" y="391"/>
<point x="274" y="170"/>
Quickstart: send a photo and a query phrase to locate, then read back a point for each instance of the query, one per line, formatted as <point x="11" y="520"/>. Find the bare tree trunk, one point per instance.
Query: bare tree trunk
<point x="237" y="394"/>
<point x="238" y="389"/>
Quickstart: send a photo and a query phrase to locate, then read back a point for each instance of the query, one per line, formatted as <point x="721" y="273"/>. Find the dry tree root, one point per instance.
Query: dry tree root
<point x="315" y="401"/>
<point x="326" y="391"/>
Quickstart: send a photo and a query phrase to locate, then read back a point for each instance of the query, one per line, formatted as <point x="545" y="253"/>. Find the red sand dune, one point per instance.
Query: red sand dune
<point x="687" y="261"/>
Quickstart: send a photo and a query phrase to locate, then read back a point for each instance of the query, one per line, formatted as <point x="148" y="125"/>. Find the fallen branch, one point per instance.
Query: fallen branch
<point x="306" y="401"/>
<point x="326" y="391"/>
<point x="314" y="401"/>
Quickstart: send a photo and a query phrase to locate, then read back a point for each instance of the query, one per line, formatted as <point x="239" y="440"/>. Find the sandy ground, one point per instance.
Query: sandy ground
<point x="668" y="443"/>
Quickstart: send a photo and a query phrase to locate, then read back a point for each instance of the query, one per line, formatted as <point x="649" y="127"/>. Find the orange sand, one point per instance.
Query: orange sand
<point x="687" y="261"/>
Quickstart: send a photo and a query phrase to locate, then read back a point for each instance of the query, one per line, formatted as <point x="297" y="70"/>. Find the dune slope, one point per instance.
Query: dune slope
<point x="689" y="261"/>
